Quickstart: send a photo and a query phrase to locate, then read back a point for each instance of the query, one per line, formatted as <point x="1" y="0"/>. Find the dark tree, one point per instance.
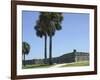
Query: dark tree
<point x="54" y="24"/>
<point x="47" y="25"/>
<point x="41" y="31"/>
<point x="25" y="49"/>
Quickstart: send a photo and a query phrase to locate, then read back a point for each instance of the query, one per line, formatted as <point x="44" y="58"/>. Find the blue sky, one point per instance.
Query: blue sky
<point x="74" y="34"/>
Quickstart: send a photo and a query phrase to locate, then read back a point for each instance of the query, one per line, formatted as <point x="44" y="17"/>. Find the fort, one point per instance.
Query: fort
<point x="66" y="58"/>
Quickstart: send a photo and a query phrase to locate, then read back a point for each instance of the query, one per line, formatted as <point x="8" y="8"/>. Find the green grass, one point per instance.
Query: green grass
<point x="36" y="66"/>
<point x="81" y="63"/>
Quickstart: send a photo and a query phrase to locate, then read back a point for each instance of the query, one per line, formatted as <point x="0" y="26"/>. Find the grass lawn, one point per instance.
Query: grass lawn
<point x="80" y="63"/>
<point x="36" y="66"/>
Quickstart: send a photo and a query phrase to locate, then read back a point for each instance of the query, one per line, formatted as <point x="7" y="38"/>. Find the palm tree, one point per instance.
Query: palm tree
<point x="41" y="31"/>
<point x="54" y="23"/>
<point x="25" y="49"/>
<point x="47" y="25"/>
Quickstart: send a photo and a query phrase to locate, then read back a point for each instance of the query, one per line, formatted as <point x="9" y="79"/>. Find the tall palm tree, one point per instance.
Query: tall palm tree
<point x="54" y="23"/>
<point x="25" y="49"/>
<point x="41" y="31"/>
<point x="47" y="25"/>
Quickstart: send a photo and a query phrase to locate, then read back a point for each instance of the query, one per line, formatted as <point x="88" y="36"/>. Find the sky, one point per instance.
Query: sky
<point x="74" y="35"/>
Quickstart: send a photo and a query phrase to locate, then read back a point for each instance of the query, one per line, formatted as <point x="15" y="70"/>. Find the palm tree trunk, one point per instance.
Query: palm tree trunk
<point x="50" y="50"/>
<point x="45" y="50"/>
<point x="24" y="59"/>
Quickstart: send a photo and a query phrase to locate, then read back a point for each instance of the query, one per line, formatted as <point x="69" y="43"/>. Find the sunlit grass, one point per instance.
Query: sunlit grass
<point x="73" y="64"/>
<point x="80" y="63"/>
<point x="36" y="66"/>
